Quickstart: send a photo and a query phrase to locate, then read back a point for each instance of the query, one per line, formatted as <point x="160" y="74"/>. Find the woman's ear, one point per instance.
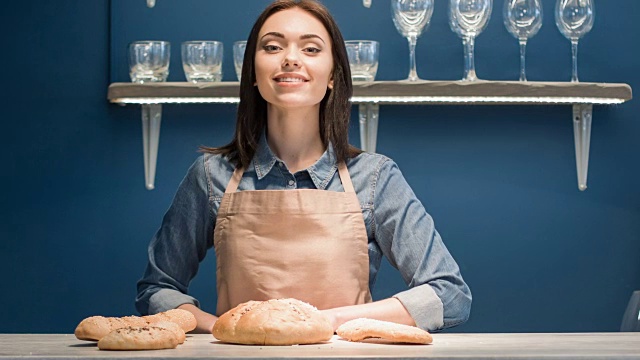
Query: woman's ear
<point x="330" y="85"/>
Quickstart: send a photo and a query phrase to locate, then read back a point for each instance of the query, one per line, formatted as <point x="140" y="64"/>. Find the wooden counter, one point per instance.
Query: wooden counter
<point x="445" y="346"/>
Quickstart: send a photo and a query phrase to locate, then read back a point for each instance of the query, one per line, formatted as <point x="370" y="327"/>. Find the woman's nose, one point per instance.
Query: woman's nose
<point x="291" y="59"/>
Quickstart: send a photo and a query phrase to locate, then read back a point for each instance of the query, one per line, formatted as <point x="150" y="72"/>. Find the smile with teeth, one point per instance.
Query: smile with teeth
<point x="290" y="79"/>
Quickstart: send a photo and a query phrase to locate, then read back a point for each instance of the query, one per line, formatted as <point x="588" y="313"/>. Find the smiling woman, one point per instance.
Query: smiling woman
<point x="290" y="208"/>
<point x="323" y="38"/>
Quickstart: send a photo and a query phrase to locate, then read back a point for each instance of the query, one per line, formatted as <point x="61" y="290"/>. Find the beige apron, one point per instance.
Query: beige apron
<point x="307" y="244"/>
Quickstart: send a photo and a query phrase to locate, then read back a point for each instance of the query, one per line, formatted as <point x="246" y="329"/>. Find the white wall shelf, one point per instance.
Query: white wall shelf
<point x="370" y="95"/>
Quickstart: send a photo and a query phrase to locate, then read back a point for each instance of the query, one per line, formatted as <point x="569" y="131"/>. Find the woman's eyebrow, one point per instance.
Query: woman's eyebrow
<point x="311" y="36"/>
<point x="272" y="33"/>
<point x="302" y="37"/>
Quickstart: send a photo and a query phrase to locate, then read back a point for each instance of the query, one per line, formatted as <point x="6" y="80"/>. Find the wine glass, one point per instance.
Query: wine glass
<point x="411" y="18"/>
<point x="523" y="19"/>
<point x="468" y="18"/>
<point x="574" y="18"/>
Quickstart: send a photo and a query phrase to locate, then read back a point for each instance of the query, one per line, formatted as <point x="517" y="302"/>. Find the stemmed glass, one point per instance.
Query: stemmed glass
<point x="574" y="18"/>
<point x="411" y="18"/>
<point x="468" y="18"/>
<point x="523" y="19"/>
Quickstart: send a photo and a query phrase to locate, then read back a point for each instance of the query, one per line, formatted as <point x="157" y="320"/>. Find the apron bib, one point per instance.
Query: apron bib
<point x="306" y="244"/>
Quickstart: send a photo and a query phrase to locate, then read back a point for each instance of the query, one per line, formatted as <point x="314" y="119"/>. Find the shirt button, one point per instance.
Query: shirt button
<point x="281" y="164"/>
<point x="291" y="182"/>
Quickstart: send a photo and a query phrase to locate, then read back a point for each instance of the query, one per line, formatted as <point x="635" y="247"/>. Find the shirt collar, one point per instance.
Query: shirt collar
<point x="321" y="172"/>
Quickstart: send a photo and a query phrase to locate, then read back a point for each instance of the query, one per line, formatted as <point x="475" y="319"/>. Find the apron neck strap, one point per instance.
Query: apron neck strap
<point x="342" y="171"/>
<point x="345" y="178"/>
<point x="235" y="180"/>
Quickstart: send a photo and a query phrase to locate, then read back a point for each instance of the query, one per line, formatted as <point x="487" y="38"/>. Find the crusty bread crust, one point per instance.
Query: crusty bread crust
<point x="95" y="328"/>
<point x="273" y="322"/>
<point x="139" y="338"/>
<point x="174" y="328"/>
<point x="361" y="329"/>
<point x="184" y="318"/>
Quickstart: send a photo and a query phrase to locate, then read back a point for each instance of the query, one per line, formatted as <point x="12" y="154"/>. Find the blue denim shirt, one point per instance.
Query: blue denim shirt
<point x="398" y="227"/>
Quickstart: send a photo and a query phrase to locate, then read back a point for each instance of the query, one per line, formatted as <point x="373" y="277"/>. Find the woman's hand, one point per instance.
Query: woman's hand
<point x="204" y="319"/>
<point x="390" y="309"/>
<point x="332" y="316"/>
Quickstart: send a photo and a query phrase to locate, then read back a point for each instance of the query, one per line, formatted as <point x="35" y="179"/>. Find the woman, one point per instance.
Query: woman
<point x="290" y="208"/>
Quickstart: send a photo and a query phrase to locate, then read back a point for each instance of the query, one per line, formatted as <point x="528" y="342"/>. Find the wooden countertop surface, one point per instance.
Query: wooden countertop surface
<point x="445" y="346"/>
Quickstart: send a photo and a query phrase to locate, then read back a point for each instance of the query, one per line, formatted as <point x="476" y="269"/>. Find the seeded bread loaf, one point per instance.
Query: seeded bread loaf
<point x="184" y="318"/>
<point x="139" y="338"/>
<point x="95" y="327"/>
<point x="273" y="322"/>
<point x="174" y="328"/>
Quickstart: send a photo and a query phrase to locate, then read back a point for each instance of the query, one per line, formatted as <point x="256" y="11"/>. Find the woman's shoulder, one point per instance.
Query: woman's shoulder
<point x="211" y="166"/>
<point x="215" y="162"/>
<point x="369" y="169"/>
<point x="372" y="162"/>
<point x="210" y="173"/>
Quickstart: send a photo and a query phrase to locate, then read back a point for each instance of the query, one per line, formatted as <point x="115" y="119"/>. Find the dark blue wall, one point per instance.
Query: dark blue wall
<point x="500" y="181"/>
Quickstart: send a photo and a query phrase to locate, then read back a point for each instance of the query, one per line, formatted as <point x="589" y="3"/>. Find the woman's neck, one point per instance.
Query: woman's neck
<point x="294" y="136"/>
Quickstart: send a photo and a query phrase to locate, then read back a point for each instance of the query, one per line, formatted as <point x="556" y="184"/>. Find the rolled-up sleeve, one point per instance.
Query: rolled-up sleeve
<point x="437" y="297"/>
<point x="178" y="246"/>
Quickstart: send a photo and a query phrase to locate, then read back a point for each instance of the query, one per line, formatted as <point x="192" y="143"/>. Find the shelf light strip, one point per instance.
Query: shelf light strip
<point x="486" y="99"/>
<point x="177" y="100"/>
<point x="389" y="99"/>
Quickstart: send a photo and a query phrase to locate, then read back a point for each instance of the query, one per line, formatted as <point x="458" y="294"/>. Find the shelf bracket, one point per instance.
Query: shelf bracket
<point x="368" y="115"/>
<point x="582" y="138"/>
<point x="151" y="118"/>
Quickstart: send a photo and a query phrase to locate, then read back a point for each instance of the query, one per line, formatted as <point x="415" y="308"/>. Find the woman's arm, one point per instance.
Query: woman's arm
<point x="390" y="309"/>
<point x="178" y="246"/>
<point x="437" y="296"/>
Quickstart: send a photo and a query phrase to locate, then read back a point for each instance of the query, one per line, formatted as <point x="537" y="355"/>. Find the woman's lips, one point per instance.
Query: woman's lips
<point x="290" y="81"/>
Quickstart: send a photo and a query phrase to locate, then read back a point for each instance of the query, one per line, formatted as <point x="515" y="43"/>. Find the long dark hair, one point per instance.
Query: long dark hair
<point x="335" y="107"/>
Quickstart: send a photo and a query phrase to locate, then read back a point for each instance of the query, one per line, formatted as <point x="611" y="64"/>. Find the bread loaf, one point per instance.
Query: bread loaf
<point x="174" y="328"/>
<point x="184" y="318"/>
<point x="361" y="329"/>
<point x="95" y="328"/>
<point x="139" y="338"/>
<point x="273" y="322"/>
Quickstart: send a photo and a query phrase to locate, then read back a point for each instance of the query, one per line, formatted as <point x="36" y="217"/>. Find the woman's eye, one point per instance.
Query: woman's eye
<point x="312" y="50"/>
<point x="271" y="48"/>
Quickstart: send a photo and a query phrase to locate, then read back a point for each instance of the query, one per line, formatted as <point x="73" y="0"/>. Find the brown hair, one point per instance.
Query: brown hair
<point x="335" y="107"/>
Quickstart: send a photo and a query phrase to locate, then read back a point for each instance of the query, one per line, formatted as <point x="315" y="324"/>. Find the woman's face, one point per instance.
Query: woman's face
<point x="294" y="61"/>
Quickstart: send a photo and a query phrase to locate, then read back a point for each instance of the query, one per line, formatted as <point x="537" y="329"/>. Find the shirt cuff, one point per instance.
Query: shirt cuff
<point x="167" y="299"/>
<point x="424" y="306"/>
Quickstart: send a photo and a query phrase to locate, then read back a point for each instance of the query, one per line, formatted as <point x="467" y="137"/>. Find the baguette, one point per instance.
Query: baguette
<point x="95" y="328"/>
<point x="139" y="338"/>
<point x="184" y="318"/>
<point x="174" y="328"/>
